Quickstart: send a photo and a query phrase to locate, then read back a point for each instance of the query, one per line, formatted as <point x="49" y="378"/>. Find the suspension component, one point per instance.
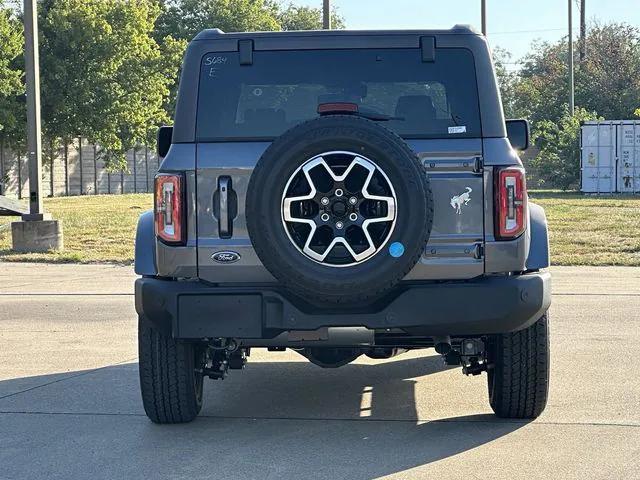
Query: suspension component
<point x="221" y="355"/>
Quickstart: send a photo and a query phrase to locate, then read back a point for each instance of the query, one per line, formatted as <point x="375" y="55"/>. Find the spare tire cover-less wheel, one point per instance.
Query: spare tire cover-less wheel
<point x="339" y="209"/>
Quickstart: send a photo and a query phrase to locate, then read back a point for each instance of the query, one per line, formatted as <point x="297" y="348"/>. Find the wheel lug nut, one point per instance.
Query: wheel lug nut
<point x="353" y="200"/>
<point x="324" y="201"/>
<point x="339" y="192"/>
<point x="339" y="225"/>
<point x="324" y="217"/>
<point x="353" y="217"/>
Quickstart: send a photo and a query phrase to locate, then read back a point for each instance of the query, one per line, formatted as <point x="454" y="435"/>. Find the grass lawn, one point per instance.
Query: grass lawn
<point x="584" y="230"/>
<point x="589" y="230"/>
<point x="96" y="228"/>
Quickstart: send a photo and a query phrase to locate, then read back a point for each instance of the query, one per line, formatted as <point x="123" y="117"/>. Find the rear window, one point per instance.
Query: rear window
<point x="283" y="88"/>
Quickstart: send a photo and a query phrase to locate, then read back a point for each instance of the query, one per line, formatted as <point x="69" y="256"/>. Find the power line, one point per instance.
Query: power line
<point x="532" y="31"/>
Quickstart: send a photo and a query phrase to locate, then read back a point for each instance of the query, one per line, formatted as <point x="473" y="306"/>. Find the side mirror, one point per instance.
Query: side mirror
<point x="164" y="140"/>
<point x="518" y="134"/>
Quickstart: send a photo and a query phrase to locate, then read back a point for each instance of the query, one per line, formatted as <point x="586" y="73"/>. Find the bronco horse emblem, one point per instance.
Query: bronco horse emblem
<point x="457" y="201"/>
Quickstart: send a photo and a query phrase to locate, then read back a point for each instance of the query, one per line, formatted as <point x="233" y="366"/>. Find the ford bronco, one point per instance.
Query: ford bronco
<point x="341" y="193"/>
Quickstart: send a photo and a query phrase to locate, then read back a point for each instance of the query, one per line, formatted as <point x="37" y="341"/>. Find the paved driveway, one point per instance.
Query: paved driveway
<point x="70" y="407"/>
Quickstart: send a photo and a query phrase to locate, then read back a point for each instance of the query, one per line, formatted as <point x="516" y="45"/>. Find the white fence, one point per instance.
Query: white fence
<point x="78" y="172"/>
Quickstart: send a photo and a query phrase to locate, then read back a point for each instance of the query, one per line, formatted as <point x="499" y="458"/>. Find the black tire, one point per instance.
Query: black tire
<point x="519" y="380"/>
<point x="171" y="388"/>
<point x="298" y="273"/>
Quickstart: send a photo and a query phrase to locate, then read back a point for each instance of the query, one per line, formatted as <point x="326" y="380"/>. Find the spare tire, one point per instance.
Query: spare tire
<point x="339" y="209"/>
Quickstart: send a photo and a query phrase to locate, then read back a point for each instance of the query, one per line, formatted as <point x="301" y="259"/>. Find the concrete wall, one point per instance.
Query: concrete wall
<point x="82" y="173"/>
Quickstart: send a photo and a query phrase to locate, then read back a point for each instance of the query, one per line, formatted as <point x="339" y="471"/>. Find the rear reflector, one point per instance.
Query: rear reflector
<point x="169" y="208"/>
<point x="511" y="203"/>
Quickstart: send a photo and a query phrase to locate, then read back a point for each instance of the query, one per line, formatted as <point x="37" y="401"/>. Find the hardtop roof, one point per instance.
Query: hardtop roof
<point x="216" y="33"/>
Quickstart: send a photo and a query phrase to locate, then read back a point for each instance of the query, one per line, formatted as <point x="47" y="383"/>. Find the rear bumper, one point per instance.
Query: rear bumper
<point x="487" y="305"/>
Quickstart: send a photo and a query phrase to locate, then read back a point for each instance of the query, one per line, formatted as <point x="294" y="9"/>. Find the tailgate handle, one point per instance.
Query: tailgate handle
<point x="225" y="206"/>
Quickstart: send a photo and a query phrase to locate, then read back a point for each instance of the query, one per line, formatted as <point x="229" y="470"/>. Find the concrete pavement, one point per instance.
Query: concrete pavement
<point x="70" y="406"/>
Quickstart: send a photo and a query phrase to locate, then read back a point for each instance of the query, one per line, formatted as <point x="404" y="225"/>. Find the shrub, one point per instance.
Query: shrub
<point x="558" y="163"/>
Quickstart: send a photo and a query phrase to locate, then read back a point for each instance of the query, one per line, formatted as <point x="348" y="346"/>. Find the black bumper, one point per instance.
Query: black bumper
<point x="493" y="304"/>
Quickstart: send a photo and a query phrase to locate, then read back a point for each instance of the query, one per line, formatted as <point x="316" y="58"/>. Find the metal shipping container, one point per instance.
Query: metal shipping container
<point x="610" y="156"/>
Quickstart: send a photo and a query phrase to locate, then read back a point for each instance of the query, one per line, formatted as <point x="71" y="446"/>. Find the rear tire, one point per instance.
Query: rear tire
<point x="519" y="380"/>
<point x="171" y="388"/>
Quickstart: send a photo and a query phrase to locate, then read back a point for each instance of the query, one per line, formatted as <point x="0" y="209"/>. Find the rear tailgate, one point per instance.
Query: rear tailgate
<point x="456" y="173"/>
<point x="455" y="248"/>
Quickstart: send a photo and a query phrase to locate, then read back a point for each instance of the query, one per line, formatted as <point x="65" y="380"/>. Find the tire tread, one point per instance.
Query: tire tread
<point x="519" y="383"/>
<point x="166" y="376"/>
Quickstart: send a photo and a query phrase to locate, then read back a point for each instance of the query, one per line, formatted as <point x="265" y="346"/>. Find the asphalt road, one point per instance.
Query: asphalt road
<point x="70" y="407"/>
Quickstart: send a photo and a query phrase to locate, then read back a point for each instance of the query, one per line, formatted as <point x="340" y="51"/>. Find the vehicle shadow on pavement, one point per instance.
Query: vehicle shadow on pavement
<point x="384" y="390"/>
<point x="282" y="419"/>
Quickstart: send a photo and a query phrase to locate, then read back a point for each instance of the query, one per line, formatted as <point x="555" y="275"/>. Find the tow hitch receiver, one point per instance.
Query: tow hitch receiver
<point x="470" y="353"/>
<point x="222" y="355"/>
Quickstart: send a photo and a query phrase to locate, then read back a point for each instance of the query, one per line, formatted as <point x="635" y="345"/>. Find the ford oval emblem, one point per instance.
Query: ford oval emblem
<point x="226" y="257"/>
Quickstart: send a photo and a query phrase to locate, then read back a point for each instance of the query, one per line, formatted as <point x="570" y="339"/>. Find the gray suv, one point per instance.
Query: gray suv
<point x="341" y="193"/>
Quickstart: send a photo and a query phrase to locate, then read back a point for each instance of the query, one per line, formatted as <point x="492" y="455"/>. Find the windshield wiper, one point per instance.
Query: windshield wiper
<point x="377" y="117"/>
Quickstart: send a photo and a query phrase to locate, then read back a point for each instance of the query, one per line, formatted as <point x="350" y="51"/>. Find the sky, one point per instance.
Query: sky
<point x="512" y="25"/>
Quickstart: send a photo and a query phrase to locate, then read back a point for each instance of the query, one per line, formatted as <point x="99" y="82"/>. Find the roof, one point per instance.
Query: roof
<point x="216" y="33"/>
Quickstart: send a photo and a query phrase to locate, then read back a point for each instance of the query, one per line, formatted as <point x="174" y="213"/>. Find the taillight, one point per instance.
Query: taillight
<point x="511" y="203"/>
<point x="169" y="208"/>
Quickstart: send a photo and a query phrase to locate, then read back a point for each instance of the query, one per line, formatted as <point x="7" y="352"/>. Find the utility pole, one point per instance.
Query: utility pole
<point x="583" y="30"/>
<point x="37" y="232"/>
<point x="326" y="14"/>
<point x="483" y="7"/>
<point x="572" y="105"/>
<point x="34" y="146"/>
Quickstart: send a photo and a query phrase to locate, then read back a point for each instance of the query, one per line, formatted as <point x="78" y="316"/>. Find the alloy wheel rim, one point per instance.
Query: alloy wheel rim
<point x="339" y="208"/>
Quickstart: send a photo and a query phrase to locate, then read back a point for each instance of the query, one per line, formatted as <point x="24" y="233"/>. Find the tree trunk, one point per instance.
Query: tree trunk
<point x="135" y="171"/>
<point x="2" y="166"/>
<point x="66" y="167"/>
<point x="80" y="163"/>
<point x="95" y="169"/>
<point x="51" y="160"/>
<point x="19" y="160"/>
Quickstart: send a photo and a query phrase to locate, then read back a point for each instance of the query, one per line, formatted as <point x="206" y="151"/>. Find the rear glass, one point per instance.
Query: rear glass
<point x="283" y="88"/>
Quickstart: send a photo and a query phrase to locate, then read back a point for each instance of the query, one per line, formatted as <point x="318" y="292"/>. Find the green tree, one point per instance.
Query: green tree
<point x="185" y="18"/>
<point x="294" y="17"/>
<point x="607" y="81"/>
<point x="541" y="89"/>
<point x="558" y="163"/>
<point x="506" y="80"/>
<point x="103" y="74"/>
<point x="11" y="87"/>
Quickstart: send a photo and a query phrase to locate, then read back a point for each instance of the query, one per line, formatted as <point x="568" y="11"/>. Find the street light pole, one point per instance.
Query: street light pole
<point x="483" y="7"/>
<point x="572" y="105"/>
<point x="32" y="70"/>
<point x="326" y="15"/>
<point x="37" y="232"/>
